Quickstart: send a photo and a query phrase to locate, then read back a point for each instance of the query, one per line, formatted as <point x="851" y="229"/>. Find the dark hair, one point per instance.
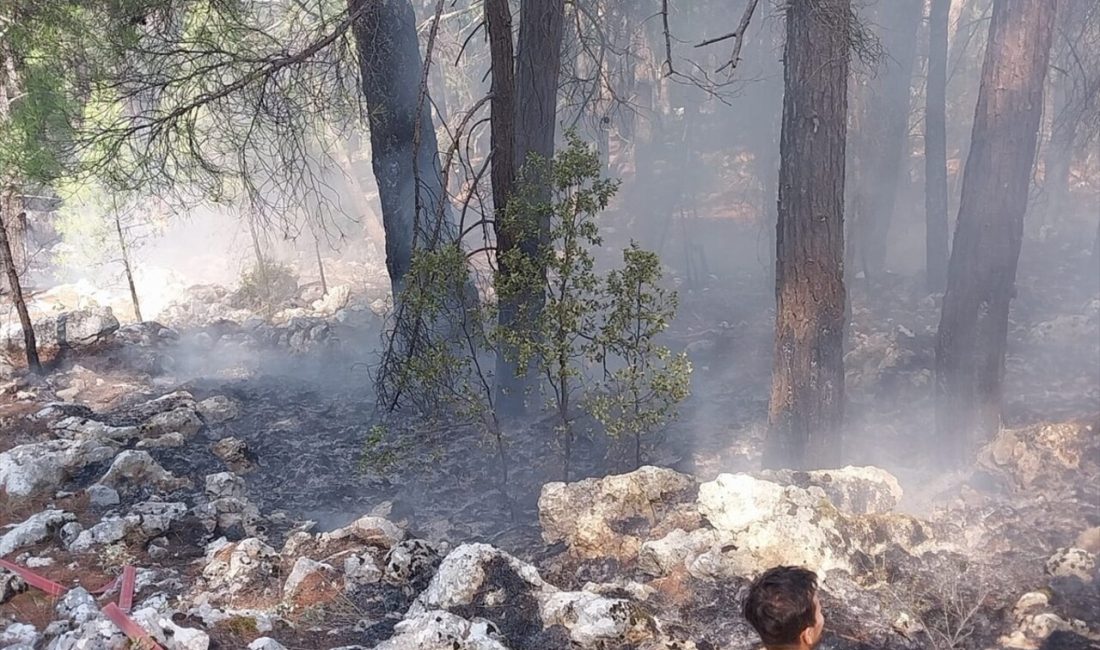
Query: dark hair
<point x="780" y="604"/>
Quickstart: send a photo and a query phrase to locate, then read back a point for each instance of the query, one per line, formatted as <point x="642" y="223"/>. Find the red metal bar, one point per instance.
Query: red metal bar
<point x="126" y="591"/>
<point x="131" y="629"/>
<point x="107" y="587"/>
<point x="33" y="579"/>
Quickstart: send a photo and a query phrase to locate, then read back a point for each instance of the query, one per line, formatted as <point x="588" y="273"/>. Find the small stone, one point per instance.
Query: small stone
<point x="361" y="568"/>
<point x="1089" y="540"/>
<point x="19" y="636"/>
<point x="224" y="485"/>
<point x="102" y="496"/>
<point x="266" y="643"/>
<point x="78" y="606"/>
<point x="70" y="532"/>
<point x="375" y="531"/>
<point x="11" y="585"/>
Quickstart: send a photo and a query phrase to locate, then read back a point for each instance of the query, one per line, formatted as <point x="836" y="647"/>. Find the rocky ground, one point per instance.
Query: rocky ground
<point x="222" y="454"/>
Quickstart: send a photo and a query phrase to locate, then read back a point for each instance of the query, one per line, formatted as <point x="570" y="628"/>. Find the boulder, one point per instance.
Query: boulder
<point x="41" y="467"/>
<point x="77" y="606"/>
<point x="218" y="409"/>
<point x="333" y="301"/>
<point x="465" y="570"/>
<point x="858" y="490"/>
<point x="311" y="583"/>
<point x="228" y="512"/>
<point x="96" y="634"/>
<point x="1034" y="619"/>
<point x="38" y="528"/>
<point x="224" y="485"/>
<point x="1045" y="456"/>
<point x="86" y="327"/>
<point x="375" y="531"/>
<point x="144" y="522"/>
<point x="133" y="469"/>
<point x="761" y="524"/>
<point x="183" y="420"/>
<point x="592" y="620"/>
<point x="440" y="630"/>
<point x="266" y="643"/>
<point x="160" y="626"/>
<point x="234" y="453"/>
<point x="83" y="428"/>
<point x="1069" y="562"/>
<point x="589" y="515"/>
<point x="102" y="496"/>
<point x="410" y="564"/>
<point x="662" y="556"/>
<point x="233" y="568"/>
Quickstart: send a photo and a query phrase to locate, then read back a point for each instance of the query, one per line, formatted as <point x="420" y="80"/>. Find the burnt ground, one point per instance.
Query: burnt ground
<point x="309" y="421"/>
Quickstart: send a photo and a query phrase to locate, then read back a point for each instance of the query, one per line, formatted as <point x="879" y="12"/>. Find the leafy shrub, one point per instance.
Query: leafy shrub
<point x="266" y="285"/>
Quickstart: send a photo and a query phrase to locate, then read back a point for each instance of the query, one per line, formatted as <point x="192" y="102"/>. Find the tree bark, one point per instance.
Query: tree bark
<point x="7" y="214"/>
<point x="390" y="67"/>
<point x="807" y="399"/>
<point x="973" y="330"/>
<point x="533" y="121"/>
<point x="935" y="149"/>
<point x="888" y="118"/>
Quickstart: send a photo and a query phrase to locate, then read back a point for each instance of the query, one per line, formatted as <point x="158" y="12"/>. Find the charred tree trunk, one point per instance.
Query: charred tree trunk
<point x="888" y="118"/>
<point x="129" y="269"/>
<point x="7" y="214"/>
<point x="973" y="330"/>
<point x="390" y="67"/>
<point x="532" y="122"/>
<point x="935" y="149"/>
<point x="807" y="399"/>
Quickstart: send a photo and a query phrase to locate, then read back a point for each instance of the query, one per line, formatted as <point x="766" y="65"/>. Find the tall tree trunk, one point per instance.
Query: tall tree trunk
<point x="888" y="117"/>
<point x="935" y="149"/>
<point x="390" y="66"/>
<point x="537" y="68"/>
<point x="981" y="275"/>
<point x="807" y="399"/>
<point x="129" y="270"/>
<point x="1059" y="154"/>
<point x="9" y="213"/>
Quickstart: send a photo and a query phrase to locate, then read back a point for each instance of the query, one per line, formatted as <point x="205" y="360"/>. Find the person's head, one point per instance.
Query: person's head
<point x="783" y="607"/>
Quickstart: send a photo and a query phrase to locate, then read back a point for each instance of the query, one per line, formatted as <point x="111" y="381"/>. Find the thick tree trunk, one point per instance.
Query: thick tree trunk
<point x="537" y="68"/>
<point x="807" y="400"/>
<point x="973" y="331"/>
<point x="935" y="149"/>
<point x="7" y="214"/>
<point x="390" y="66"/>
<point x="888" y="120"/>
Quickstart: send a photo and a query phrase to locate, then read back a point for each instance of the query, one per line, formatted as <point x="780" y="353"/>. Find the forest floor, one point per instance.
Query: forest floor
<point x="304" y="416"/>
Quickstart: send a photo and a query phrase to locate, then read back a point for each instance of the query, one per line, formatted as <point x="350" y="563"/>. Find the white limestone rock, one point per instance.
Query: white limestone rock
<point x="41" y="467"/>
<point x="37" y="528"/>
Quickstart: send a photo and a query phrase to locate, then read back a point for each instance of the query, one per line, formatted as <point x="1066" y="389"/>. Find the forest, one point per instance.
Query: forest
<point x="535" y="324"/>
